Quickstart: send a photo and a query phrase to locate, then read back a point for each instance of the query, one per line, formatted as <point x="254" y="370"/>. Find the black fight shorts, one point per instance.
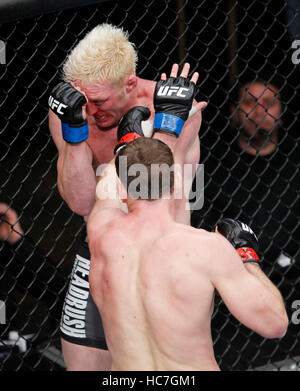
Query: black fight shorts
<point x="81" y="322"/>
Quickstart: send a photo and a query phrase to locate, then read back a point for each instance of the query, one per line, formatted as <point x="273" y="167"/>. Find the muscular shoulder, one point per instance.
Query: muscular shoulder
<point x="201" y="246"/>
<point x="146" y="86"/>
<point x="145" y="93"/>
<point x="206" y="243"/>
<point x="183" y="239"/>
<point x="106" y="235"/>
<point x="224" y="259"/>
<point x="186" y="255"/>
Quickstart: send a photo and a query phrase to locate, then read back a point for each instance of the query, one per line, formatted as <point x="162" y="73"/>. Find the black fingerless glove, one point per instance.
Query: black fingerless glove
<point x="130" y="126"/>
<point x="243" y="239"/>
<point x="173" y="100"/>
<point x="66" y="102"/>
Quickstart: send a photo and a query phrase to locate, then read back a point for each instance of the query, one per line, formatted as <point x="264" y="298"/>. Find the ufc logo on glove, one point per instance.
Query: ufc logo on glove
<point x="55" y="105"/>
<point x="248" y="229"/>
<point x="169" y="91"/>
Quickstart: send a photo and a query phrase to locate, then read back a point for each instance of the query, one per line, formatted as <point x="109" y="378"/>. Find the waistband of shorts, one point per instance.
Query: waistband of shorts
<point x="98" y="343"/>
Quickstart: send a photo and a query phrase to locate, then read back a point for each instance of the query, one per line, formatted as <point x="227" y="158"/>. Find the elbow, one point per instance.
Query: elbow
<point x="77" y="205"/>
<point x="79" y="208"/>
<point x="282" y="325"/>
<point x="277" y="326"/>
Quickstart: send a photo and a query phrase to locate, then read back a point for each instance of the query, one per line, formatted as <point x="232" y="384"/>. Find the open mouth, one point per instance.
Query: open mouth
<point x="102" y="118"/>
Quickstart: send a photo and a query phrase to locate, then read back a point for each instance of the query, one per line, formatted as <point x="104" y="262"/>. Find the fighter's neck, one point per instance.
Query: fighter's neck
<point x="162" y="209"/>
<point x="145" y="89"/>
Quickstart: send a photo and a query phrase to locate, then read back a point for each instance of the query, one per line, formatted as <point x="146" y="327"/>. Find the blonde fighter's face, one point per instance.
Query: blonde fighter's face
<point x="106" y="103"/>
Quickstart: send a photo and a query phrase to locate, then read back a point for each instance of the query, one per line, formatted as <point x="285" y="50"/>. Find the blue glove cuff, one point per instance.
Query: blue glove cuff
<point x="169" y="123"/>
<point x="74" y="135"/>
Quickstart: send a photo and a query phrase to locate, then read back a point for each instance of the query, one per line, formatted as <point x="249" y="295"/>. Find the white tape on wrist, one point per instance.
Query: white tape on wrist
<point x="147" y="126"/>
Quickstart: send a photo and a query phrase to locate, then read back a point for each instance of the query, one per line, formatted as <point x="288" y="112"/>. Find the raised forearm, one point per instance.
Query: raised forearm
<point x="275" y="309"/>
<point x="266" y="304"/>
<point x="76" y="177"/>
<point x="108" y="190"/>
<point x="189" y="134"/>
<point x="257" y="272"/>
<point x="108" y="205"/>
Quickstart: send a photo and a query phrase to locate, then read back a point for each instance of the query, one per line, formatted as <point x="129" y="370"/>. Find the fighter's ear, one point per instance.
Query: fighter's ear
<point x="130" y="83"/>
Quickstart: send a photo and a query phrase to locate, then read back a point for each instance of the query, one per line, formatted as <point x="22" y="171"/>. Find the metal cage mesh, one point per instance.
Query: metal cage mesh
<point x="223" y="41"/>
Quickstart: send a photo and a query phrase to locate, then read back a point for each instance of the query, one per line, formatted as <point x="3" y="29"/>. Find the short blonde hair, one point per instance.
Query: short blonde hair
<point x="104" y="54"/>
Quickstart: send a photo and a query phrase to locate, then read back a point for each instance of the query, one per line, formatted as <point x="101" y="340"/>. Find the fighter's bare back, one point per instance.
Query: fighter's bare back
<point x="157" y="270"/>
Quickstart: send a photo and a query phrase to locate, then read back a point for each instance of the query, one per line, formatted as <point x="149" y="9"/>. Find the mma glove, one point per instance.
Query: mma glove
<point x="243" y="239"/>
<point x="130" y="126"/>
<point x="173" y="100"/>
<point x="66" y="102"/>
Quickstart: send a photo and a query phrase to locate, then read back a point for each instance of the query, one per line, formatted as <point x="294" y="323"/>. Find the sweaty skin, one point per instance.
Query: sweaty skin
<point x="153" y="280"/>
<point x="77" y="163"/>
<point x="155" y="275"/>
<point x="154" y="284"/>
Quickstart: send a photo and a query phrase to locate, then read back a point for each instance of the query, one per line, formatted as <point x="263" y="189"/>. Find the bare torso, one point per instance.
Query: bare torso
<point x="155" y="295"/>
<point x="103" y="141"/>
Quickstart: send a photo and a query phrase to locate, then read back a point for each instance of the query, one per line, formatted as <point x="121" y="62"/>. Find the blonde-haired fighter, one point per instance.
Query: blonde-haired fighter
<point x="105" y="54"/>
<point x="101" y="88"/>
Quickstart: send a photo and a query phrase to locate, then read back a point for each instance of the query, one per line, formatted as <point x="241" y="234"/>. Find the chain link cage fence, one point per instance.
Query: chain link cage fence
<point x="225" y="41"/>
